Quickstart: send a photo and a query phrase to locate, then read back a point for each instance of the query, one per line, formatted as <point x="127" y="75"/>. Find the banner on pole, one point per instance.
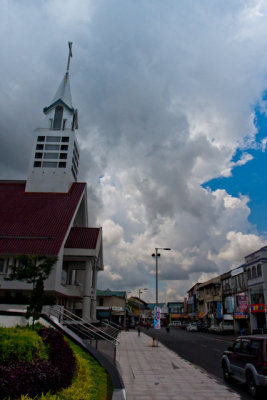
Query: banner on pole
<point x="156" y="318"/>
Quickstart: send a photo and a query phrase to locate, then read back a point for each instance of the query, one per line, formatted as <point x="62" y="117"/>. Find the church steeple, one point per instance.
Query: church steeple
<point x="55" y="155"/>
<point x="63" y="93"/>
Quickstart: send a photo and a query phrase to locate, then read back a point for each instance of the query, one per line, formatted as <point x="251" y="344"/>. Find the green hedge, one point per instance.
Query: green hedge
<point x="21" y="344"/>
<point x="91" y="381"/>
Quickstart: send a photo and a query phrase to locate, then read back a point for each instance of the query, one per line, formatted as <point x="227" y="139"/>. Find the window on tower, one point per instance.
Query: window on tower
<point x="53" y="156"/>
<point x="38" y="155"/>
<point x="51" y="147"/>
<point x="58" y="117"/>
<point x="49" y="164"/>
<point x="53" y="139"/>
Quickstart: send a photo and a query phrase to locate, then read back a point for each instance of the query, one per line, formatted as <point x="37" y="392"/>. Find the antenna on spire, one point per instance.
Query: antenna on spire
<point x="70" y="55"/>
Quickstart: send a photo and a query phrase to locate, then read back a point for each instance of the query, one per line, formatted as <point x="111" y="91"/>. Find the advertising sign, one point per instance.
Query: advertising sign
<point x="242" y="302"/>
<point x="240" y="315"/>
<point x="219" y="309"/>
<point x="254" y="308"/>
<point x="230" y="305"/>
<point x="156" y="318"/>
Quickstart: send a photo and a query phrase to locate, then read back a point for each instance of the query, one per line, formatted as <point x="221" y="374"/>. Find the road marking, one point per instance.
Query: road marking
<point x="213" y="338"/>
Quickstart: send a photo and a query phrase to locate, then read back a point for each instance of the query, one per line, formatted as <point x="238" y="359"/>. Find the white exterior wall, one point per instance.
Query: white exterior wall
<point x="44" y="179"/>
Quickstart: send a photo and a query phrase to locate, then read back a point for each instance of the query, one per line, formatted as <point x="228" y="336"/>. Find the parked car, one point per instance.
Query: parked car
<point x="222" y="328"/>
<point x="203" y="327"/>
<point x="175" y="323"/>
<point x="184" y="325"/>
<point x="191" y="327"/>
<point x="246" y="361"/>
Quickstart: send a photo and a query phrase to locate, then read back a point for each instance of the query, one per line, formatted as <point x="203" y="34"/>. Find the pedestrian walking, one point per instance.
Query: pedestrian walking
<point x="139" y="329"/>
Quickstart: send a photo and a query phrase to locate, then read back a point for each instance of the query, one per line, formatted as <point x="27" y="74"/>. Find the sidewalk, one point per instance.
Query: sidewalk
<point x="157" y="373"/>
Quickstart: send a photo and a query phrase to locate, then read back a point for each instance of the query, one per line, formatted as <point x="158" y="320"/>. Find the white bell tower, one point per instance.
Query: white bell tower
<point x="55" y="154"/>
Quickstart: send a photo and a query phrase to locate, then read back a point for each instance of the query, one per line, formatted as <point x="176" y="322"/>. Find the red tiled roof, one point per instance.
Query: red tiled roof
<point x="82" y="238"/>
<point x="35" y="223"/>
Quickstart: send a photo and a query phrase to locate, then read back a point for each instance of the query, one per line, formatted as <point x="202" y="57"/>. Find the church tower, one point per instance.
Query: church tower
<point x="55" y="154"/>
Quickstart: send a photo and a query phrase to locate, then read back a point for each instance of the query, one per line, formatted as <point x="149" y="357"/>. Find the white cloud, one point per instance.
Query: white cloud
<point x="165" y="93"/>
<point x="244" y="159"/>
<point x="239" y="244"/>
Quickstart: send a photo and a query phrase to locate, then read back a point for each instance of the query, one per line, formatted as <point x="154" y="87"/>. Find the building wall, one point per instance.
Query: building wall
<point x="111" y="301"/>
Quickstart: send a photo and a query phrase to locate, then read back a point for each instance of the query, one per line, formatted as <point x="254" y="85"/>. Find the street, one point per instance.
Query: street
<point x="202" y="349"/>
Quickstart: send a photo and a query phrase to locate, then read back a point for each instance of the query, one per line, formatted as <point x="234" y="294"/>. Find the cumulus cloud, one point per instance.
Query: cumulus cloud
<point x="238" y="244"/>
<point x="165" y="92"/>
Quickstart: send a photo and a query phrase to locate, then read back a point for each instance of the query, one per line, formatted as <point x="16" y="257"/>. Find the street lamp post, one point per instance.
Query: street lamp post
<point x="156" y="255"/>
<point x="140" y="291"/>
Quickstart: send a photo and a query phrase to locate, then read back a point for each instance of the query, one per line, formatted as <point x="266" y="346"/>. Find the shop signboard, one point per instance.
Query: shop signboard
<point x="230" y="305"/>
<point x="156" y="318"/>
<point x="219" y="309"/>
<point x="240" y="315"/>
<point x="242" y="303"/>
<point x="257" y="308"/>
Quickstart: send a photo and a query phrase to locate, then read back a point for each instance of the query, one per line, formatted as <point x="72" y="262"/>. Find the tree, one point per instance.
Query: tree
<point x="33" y="269"/>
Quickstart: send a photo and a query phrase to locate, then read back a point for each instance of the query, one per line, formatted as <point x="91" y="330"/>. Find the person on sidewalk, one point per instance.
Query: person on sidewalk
<point x="139" y="329"/>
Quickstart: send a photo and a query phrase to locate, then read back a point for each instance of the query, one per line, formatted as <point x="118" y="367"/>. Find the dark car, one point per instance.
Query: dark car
<point x="246" y="361"/>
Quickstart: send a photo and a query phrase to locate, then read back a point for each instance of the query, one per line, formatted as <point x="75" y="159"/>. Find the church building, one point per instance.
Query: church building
<point x="47" y="214"/>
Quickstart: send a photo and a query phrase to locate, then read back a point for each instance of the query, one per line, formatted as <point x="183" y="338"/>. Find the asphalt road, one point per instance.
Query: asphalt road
<point x="202" y="349"/>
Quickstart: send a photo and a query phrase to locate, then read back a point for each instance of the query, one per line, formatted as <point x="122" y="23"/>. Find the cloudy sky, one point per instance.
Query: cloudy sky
<point x="172" y="126"/>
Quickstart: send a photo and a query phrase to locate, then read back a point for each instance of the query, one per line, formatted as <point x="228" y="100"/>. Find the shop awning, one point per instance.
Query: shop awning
<point x="103" y="314"/>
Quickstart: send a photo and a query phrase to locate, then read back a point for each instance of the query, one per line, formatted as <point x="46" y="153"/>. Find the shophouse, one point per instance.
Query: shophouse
<point x="139" y="309"/>
<point x="111" y="305"/>
<point x="211" y="291"/>
<point x="192" y="308"/>
<point x="201" y="308"/>
<point x="256" y="270"/>
<point x="175" y="311"/>
<point x="234" y="296"/>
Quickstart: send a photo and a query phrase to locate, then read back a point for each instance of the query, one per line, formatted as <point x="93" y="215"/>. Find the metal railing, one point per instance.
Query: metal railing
<point x="111" y="328"/>
<point x="103" y="340"/>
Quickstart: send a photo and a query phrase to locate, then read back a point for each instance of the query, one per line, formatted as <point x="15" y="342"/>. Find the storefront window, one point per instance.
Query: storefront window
<point x="257" y="295"/>
<point x="259" y="270"/>
<point x="254" y="272"/>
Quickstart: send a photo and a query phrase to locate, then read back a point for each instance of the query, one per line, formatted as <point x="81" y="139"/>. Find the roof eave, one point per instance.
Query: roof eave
<point x="59" y="101"/>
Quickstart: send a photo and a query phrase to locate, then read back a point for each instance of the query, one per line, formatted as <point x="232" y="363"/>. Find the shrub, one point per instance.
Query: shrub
<point x="27" y="381"/>
<point x="29" y="378"/>
<point x="21" y="344"/>
<point x="60" y="354"/>
<point x="91" y="381"/>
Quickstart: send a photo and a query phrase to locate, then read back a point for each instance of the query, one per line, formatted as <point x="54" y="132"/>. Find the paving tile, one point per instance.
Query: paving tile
<point x="148" y="373"/>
